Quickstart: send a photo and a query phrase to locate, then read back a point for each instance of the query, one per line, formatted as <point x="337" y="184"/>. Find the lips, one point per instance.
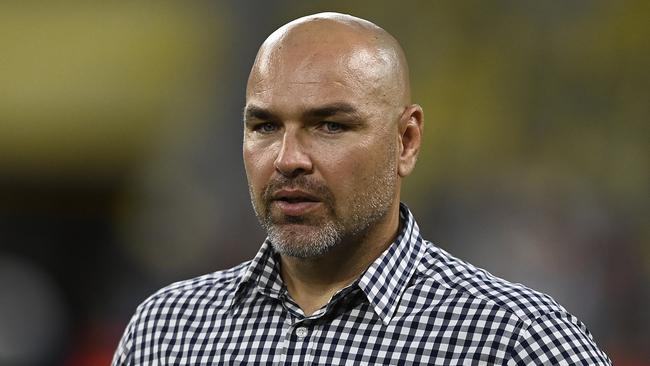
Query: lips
<point x="295" y="202"/>
<point x="294" y="195"/>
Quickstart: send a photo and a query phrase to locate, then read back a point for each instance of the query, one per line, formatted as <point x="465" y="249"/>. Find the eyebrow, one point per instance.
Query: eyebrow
<point x="328" y="110"/>
<point x="331" y="110"/>
<point x="254" y="111"/>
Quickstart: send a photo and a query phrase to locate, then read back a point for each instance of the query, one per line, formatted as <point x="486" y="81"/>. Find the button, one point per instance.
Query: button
<point x="301" y="332"/>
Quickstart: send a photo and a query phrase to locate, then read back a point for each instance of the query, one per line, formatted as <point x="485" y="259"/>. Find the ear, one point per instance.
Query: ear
<point x="410" y="138"/>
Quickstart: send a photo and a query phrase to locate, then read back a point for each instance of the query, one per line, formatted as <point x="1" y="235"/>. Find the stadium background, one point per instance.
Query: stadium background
<point x="121" y="169"/>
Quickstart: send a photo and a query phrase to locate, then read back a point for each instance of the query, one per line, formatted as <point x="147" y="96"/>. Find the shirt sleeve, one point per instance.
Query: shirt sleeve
<point x="557" y="338"/>
<point x="124" y="354"/>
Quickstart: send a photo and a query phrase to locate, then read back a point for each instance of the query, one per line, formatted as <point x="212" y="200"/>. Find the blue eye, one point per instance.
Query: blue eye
<point x="333" y="127"/>
<point x="266" y="127"/>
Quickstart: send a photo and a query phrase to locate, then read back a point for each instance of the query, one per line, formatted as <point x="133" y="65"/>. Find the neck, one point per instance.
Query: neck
<point x="312" y="282"/>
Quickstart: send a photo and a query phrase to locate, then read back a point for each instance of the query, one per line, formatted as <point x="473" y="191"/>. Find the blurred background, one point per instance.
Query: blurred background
<point x="121" y="168"/>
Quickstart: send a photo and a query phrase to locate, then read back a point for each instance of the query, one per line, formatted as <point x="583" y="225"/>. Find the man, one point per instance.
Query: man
<point x="344" y="276"/>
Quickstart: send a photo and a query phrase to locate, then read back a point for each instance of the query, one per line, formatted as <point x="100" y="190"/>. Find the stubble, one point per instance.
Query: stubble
<point x="312" y="236"/>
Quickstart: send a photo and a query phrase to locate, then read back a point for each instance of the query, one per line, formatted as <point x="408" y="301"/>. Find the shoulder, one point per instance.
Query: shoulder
<point x="440" y="269"/>
<point x="175" y="305"/>
<point x="542" y="331"/>
<point x="554" y="338"/>
<point x="216" y="288"/>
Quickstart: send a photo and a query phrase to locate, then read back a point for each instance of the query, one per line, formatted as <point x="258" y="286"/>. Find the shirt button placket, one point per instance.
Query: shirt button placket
<point x="301" y="332"/>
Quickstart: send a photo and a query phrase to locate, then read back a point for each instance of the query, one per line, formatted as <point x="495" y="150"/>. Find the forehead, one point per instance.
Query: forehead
<point x="305" y="76"/>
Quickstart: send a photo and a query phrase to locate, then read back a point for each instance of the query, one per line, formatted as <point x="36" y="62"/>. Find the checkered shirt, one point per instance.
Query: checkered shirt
<point x="415" y="304"/>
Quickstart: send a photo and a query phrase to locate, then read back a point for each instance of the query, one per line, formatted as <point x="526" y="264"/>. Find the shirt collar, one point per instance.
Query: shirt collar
<point x="388" y="276"/>
<point x="383" y="282"/>
<point x="263" y="272"/>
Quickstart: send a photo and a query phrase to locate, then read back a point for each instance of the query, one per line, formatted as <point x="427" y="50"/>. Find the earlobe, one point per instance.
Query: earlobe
<point x="410" y="129"/>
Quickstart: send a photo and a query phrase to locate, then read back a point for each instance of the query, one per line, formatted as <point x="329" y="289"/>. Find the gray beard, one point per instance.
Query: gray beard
<point x="315" y="239"/>
<point x="322" y="236"/>
<point x="320" y="241"/>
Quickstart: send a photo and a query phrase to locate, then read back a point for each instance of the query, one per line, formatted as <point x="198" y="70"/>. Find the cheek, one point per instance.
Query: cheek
<point x="258" y="163"/>
<point x="365" y="166"/>
<point x="347" y="170"/>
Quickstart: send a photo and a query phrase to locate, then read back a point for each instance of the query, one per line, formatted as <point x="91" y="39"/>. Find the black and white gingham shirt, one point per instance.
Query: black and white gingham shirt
<point x="416" y="304"/>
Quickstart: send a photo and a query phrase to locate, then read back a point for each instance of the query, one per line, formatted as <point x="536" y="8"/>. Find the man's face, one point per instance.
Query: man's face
<point x="320" y="149"/>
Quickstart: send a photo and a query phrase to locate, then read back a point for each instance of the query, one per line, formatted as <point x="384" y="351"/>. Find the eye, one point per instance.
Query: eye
<point x="333" y="127"/>
<point x="266" y="127"/>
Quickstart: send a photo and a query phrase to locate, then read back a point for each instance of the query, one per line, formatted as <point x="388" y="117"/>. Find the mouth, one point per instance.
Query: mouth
<point x="294" y="196"/>
<point x="295" y="202"/>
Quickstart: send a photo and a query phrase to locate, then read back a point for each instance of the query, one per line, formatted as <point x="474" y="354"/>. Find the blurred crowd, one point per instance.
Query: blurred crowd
<point x="121" y="169"/>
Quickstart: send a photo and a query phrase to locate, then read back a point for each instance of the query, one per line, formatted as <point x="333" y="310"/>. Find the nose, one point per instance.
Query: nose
<point x="293" y="159"/>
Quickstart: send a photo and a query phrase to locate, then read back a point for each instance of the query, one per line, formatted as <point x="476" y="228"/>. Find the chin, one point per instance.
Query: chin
<point x="303" y="242"/>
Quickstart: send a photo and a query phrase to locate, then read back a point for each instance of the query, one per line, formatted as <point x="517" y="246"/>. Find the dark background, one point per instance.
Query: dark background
<point x="121" y="169"/>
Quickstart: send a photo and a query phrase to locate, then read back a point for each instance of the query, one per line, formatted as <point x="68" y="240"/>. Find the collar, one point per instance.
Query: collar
<point x="388" y="276"/>
<point x="383" y="282"/>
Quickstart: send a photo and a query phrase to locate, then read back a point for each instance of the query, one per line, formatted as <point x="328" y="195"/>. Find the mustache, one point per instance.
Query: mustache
<point x="311" y="186"/>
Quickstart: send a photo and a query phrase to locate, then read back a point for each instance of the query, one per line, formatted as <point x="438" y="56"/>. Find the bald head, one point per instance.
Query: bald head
<point x="327" y="46"/>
